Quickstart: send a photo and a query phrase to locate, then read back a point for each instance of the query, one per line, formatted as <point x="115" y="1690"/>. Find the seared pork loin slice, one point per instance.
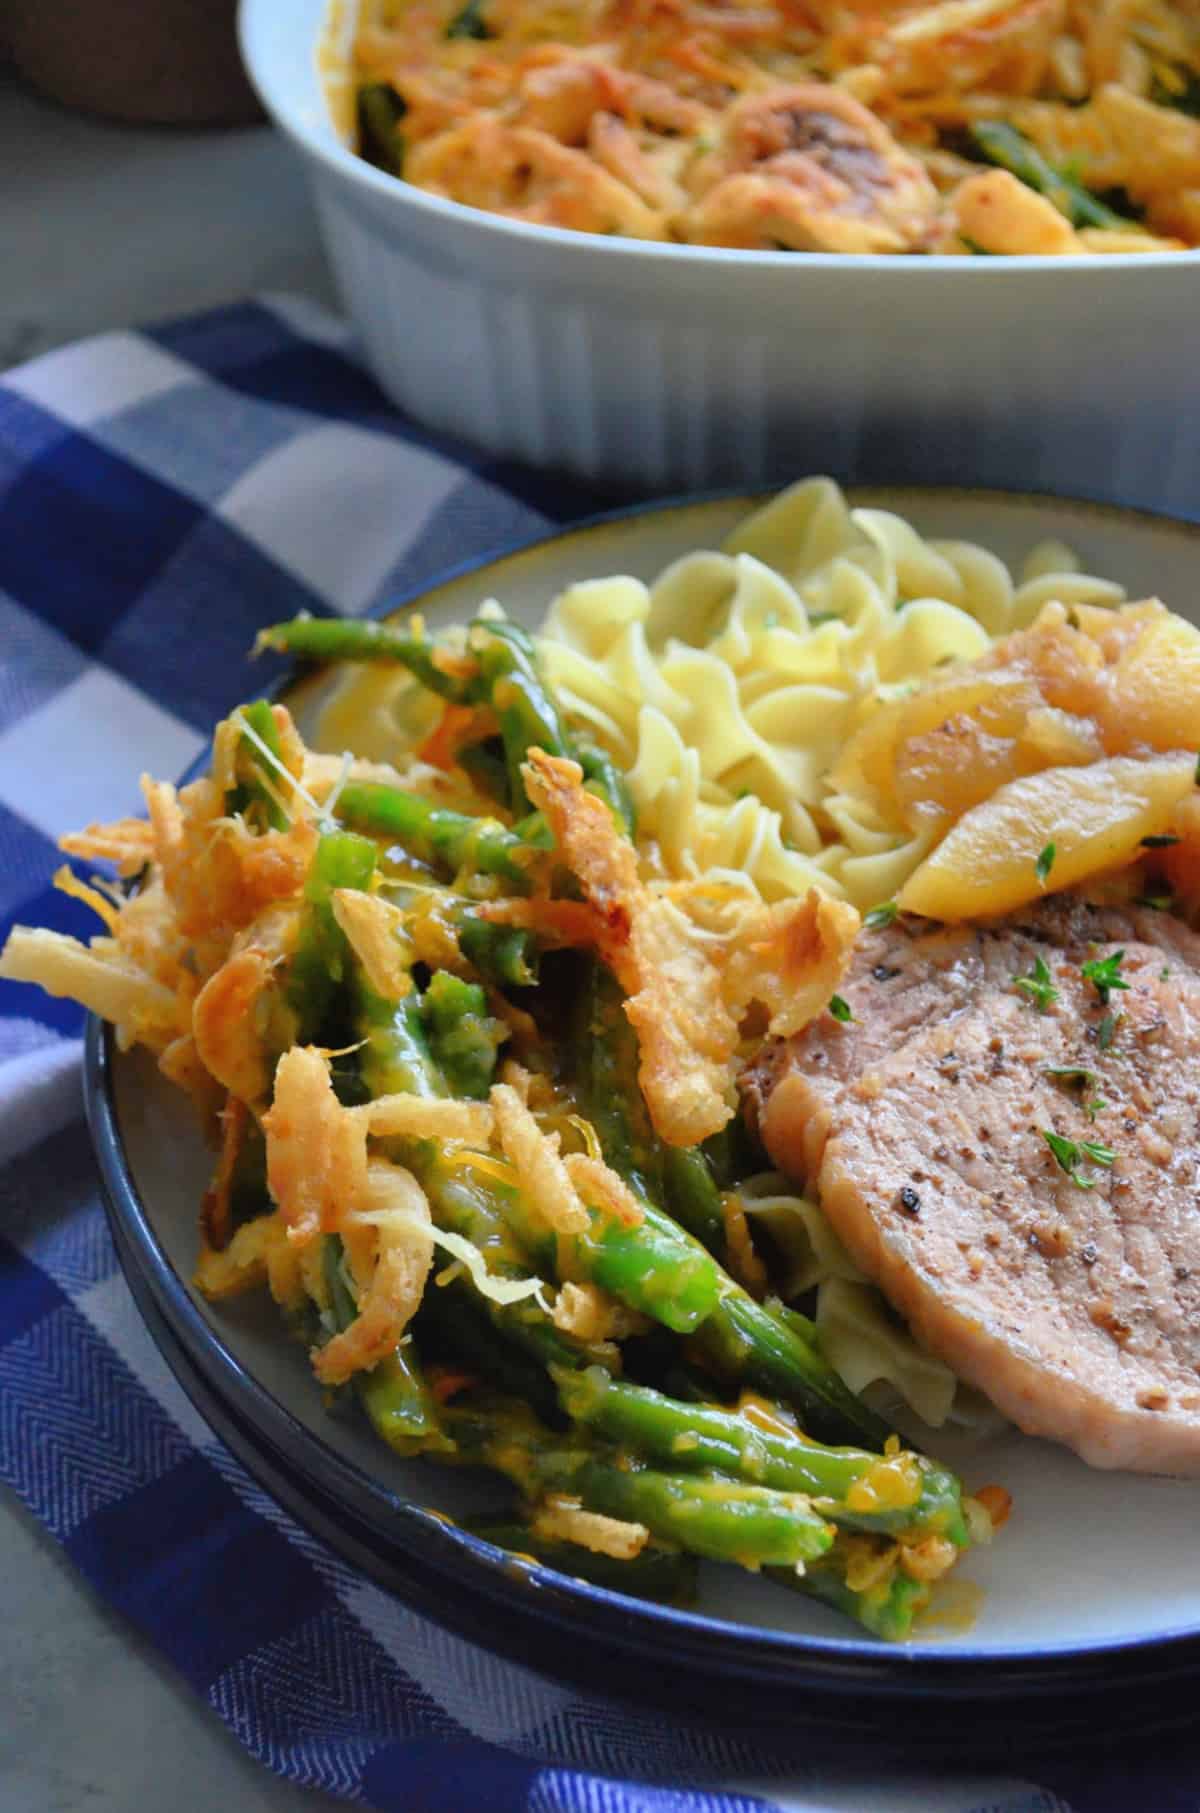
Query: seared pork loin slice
<point x="911" y="974"/>
<point x="1071" y="1296"/>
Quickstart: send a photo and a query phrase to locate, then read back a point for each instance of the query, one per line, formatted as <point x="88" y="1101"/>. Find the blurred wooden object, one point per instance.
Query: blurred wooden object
<point x="163" y="62"/>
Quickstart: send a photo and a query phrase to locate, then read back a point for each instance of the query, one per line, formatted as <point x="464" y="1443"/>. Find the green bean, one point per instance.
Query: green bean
<point x="605" y="1054"/>
<point x="720" y="1519"/>
<point x="1004" y="145"/>
<point x="733" y="1155"/>
<point x="744" y="1342"/>
<point x="692" y="1195"/>
<point x="645" y="1266"/>
<point x="258" y="784"/>
<point x="504" y="954"/>
<point x="886" y="1612"/>
<point x="393" y="1393"/>
<point x="702" y="1437"/>
<point x="469" y="22"/>
<point x="463" y="1038"/>
<point x="466" y="1203"/>
<point x="434" y="834"/>
<point x="511" y="681"/>
<point x="454" y="1326"/>
<point x="534" y="831"/>
<point x="484" y="763"/>
<point x="603" y="778"/>
<point x="395" y="1058"/>
<point x="320" y="963"/>
<point x="380" y="110"/>
<point x="740" y="1340"/>
<point x="667" y="1576"/>
<point x="525" y="708"/>
<point x="502" y="672"/>
<point x="356" y="639"/>
<point x="606" y="1051"/>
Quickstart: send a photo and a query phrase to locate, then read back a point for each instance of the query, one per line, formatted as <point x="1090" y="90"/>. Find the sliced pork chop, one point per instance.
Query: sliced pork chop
<point x="910" y="975"/>
<point x="1073" y="1301"/>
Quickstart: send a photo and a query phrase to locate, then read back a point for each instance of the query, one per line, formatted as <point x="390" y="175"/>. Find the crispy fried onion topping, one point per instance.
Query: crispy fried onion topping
<point x="261" y="1253"/>
<point x="258" y="1253"/>
<point x="599" y="1184"/>
<point x="417" y="1117"/>
<point x="129" y="843"/>
<point x="563" y="1520"/>
<point x="216" y="1211"/>
<point x="98" y="976"/>
<point x="319" y="1173"/>
<point x="229" y="1012"/>
<point x="316" y="1148"/>
<point x="689" y="989"/>
<point x="325" y="1181"/>
<point x="210" y="886"/>
<point x="790" y="957"/>
<point x="592" y="1315"/>
<point x="390" y="1268"/>
<point x="375" y="932"/>
<point x="560" y="1190"/>
<point x="542" y="1175"/>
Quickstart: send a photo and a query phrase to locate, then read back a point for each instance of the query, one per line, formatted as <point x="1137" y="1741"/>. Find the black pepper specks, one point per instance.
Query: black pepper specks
<point x="1089" y="1253"/>
<point x="884" y="972"/>
<point x="910" y="1202"/>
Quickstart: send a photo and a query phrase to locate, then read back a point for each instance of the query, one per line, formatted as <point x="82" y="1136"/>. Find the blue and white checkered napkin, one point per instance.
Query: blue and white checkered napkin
<point x="162" y="495"/>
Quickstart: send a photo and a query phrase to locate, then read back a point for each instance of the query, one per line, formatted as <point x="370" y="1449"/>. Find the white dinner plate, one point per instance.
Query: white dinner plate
<point x="1095" y="1579"/>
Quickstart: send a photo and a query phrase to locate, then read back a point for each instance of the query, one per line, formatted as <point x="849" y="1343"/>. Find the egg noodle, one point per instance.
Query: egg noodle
<point x="967" y="126"/>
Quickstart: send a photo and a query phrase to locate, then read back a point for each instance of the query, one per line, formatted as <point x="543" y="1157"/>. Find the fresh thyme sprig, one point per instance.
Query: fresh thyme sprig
<point x="1104" y="973"/>
<point x="1038" y="985"/>
<point x="1070" y="1154"/>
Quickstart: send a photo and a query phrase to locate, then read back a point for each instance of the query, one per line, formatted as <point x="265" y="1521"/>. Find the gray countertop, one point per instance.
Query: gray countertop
<point x="103" y="227"/>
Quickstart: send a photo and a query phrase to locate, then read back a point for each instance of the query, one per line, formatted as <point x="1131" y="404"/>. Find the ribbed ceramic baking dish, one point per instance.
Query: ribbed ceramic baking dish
<point x="691" y="366"/>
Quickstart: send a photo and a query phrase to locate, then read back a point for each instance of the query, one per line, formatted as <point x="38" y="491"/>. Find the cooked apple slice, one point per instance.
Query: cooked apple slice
<point x="1094" y="818"/>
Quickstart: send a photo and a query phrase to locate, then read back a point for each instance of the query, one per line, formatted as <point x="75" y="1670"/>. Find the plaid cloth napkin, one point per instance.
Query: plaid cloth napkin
<point x="162" y="495"/>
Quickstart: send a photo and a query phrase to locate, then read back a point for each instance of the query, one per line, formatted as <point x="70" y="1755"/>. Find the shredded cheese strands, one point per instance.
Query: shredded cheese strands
<point x="335" y="795"/>
<point x="497" y="1290"/>
<point x="67" y="882"/>
<point x="320" y="815"/>
<point x="498" y="1169"/>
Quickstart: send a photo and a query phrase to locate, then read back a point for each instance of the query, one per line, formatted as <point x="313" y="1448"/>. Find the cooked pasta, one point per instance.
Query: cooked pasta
<point x="969" y="126"/>
<point x="730" y="685"/>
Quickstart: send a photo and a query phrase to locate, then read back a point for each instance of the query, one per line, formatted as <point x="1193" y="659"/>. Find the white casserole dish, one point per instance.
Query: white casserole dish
<point x="688" y="366"/>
